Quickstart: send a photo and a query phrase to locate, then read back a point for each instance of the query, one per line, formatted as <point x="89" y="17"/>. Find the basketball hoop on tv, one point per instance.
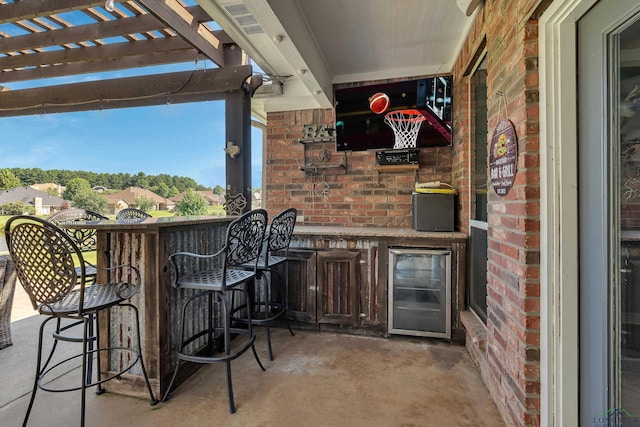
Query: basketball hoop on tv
<point x="405" y="125"/>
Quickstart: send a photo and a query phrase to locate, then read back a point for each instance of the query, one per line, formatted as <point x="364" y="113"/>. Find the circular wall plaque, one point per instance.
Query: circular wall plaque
<point x="503" y="157"/>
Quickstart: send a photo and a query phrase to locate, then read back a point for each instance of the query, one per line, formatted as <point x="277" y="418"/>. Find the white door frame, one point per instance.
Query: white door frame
<point x="559" y="308"/>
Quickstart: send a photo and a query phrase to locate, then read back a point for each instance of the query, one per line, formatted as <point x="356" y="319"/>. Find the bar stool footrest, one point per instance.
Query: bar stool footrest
<point x="134" y="359"/>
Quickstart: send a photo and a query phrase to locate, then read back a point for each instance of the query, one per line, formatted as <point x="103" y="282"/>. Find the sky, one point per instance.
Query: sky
<point x="177" y="139"/>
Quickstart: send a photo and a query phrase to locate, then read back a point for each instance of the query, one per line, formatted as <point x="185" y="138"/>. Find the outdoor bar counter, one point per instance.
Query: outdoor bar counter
<point x="339" y="276"/>
<point x="146" y="246"/>
<point x="360" y="288"/>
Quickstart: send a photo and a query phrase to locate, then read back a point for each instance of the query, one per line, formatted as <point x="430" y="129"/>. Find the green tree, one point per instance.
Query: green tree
<point x="17" y="208"/>
<point x="144" y="203"/>
<point x="162" y="190"/>
<point x="117" y="181"/>
<point x="76" y="186"/>
<point x="52" y="192"/>
<point x="8" y="180"/>
<point x="81" y="195"/>
<point x="141" y="180"/>
<point x="90" y="200"/>
<point x="191" y="204"/>
<point x="219" y="190"/>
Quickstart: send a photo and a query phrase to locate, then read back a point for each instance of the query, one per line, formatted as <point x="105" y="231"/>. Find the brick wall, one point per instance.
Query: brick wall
<point x="509" y="359"/>
<point x="356" y="196"/>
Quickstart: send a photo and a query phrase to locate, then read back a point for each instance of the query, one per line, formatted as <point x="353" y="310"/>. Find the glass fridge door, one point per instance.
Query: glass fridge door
<point x="420" y="292"/>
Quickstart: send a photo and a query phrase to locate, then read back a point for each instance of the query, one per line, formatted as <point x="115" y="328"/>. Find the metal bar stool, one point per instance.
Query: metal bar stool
<point x="44" y="258"/>
<point x="270" y="302"/>
<point x="86" y="240"/>
<point x="214" y="285"/>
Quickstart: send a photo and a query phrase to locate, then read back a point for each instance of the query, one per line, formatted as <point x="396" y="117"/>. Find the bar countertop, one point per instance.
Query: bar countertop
<point x="150" y="223"/>
<point x="354" y="232"/>
<point x="299" y="230"/>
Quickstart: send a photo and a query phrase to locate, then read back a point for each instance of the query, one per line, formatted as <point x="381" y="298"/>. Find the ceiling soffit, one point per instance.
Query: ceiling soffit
<point x="307" y="46"/>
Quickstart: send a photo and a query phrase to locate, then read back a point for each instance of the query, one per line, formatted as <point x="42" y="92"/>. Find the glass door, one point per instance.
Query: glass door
<point x="627" y="304"/>
<point x="420" y="292"/>
<point x="609" y="163"/>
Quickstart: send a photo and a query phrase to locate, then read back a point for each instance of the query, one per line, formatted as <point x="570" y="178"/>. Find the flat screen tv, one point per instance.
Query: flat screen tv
<point x="358" y="128"/>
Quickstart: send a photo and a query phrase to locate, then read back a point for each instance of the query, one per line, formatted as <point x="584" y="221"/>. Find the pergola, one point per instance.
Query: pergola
<point x="43" y="39"/>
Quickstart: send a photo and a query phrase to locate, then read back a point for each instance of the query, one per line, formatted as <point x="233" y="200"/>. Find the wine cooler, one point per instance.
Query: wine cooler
<point x="420" y="292"/>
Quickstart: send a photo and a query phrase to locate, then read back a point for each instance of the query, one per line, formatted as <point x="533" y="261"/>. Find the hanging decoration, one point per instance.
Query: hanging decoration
<point x="503" y="155"/>
<point x="232" y="149"/>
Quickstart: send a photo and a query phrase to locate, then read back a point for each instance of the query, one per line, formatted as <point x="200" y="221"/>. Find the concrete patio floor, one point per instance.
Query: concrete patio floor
<point x="316" y="379"/>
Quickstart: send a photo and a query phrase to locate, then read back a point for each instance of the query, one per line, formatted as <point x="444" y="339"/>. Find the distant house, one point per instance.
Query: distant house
<point x="48" y="186"/>
<point x="210" y="197"/>
<point x="127" y="199"/>
<point x="43" y="203"/>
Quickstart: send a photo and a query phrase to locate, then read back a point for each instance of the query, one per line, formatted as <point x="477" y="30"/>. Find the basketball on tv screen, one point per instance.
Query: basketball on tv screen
<point x="360" y="116"/>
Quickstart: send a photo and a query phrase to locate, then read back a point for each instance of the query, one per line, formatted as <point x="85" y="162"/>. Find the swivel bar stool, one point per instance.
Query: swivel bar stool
<point x="214" y="285"/>
<point x="270" y="302"/>
<point x="44" y="257"/>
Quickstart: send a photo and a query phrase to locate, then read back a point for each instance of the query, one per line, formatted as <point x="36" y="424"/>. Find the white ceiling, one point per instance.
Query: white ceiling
<point x="306" y="46"/>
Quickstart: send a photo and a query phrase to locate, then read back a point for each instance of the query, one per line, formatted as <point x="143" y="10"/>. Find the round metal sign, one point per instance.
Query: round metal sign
<point x="503" y="157"/>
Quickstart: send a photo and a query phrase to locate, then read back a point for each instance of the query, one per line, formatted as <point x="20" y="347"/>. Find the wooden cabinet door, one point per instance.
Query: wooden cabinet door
<point x="338" y="278"/>
<point x="302" y="288"/>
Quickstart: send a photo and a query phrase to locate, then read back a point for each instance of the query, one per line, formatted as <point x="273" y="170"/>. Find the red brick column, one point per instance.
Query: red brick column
<point x="509" y="359"/>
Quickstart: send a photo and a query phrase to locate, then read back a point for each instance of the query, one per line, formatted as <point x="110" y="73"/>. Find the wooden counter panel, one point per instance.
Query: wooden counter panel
<point x="369" y="315"/>
<point x="159" y="304"/>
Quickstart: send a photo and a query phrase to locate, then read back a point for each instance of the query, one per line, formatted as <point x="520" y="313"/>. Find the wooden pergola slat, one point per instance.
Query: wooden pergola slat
<point x="76" y="68"/>
<point x="29" y="9"/>
<point x="183" y="22"/>
<point x="158" y="89"/>
<point x="109" y="51"/>
<point x="100" y="30"/>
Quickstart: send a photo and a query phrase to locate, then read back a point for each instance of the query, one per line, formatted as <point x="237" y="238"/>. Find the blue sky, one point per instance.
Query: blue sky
<point x="177" y="139"/>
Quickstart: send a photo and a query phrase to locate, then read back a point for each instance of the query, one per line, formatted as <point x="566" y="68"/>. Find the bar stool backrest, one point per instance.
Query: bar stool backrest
<point x="244" y="238"/>
<point x="281" y="230"/>
<point x="85" y="238"/>
<point x="43" y="256"/>
<point x="131" y="216"/>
